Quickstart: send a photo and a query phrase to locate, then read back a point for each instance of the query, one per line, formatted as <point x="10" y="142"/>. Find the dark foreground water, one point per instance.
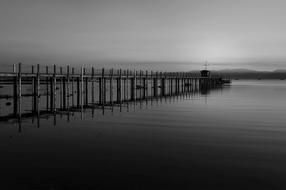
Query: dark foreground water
<point x="234" y="138"/>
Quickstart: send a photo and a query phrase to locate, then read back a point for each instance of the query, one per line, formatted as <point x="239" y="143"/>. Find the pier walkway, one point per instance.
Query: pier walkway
<point x="64" y="89"/>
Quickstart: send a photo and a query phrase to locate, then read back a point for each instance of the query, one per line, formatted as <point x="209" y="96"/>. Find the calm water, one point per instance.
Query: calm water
<point x="232" y="138"/>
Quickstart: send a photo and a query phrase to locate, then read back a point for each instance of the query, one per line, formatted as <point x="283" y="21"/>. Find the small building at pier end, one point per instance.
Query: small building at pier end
<point x="205" y="73"/>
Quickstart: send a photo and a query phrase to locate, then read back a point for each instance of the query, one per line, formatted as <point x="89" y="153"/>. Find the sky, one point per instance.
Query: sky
<point x="145" y="34"/>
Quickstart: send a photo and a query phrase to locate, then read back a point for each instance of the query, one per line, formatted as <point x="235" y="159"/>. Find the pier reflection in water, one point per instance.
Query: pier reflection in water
<point x="37" y="108"/>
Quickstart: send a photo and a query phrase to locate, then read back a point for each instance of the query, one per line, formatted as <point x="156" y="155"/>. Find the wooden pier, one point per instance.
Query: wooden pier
<point x="65" y="89"/>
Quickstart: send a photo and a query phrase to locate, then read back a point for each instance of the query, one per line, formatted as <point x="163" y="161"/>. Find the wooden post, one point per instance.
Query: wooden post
<point x="47" y="88"/>
<point x="167" y="83"/>
<point x="92" y="85"/>
<point x="135" y="77"/>
<point x="152" y="83"/>
<point x="163" y="84"/>
<point x="33" y="82"/>
<point x="81" y="87"/>
<point x="38" y="80"/>
<point x="170" y="76"/>
<point x="132" y="89"/>
<point x="145" y="86"/>
<point x="152" y="86"/>
<point x="178" y="83"/>
<point x="120" y="98"/>
<point x="186" y="82"/>
<point x="127" y="73"/>
<point x="111" y="87"/>
<point x="141" y="85"/>
<point x="72" y="84"/>
<point x="38" y="89"/>
<point x="78" y="91"/>
<point x="61" y="87"/>
<point x="135" y="83"/>
<point x="189" y="82"/>
<point x="183" y="82"/>
<point x="15" y="94"/>
<point x="68" y="87"/>
<point x="186" y="86"/>
<point x="34" y="89"/>
<point x="100" y="88"/>
<point x="20" y="95"/>
<point x="55" y="88"/>
<point x="124" y="85"/>
<point x="119" y="86"/>
<point x="171" y="83"/>
<point x="51" y="93"/>
<point x="155" y="86"/>
<point x="193" y="82"/>
<point x="104" y="88"/>
<point x="86" y="87"/>
<point x="20" y="82"/>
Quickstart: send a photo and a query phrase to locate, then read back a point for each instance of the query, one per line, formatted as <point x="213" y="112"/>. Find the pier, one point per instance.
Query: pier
<point x="70" y="89"/>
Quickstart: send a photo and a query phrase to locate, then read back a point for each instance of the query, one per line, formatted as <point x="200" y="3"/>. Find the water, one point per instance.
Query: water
<point x="231" y="138"/>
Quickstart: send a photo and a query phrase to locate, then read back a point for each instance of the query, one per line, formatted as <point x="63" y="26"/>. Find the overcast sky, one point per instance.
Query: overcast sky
<point x="164" y="34"/>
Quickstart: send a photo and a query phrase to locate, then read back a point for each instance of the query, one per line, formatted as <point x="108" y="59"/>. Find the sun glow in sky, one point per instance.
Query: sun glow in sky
<point x="159" y="34"/>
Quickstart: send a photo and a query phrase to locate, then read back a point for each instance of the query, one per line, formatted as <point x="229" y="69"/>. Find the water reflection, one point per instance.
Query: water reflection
<point x="234" y="141"/>
<point x="41" y="107"/>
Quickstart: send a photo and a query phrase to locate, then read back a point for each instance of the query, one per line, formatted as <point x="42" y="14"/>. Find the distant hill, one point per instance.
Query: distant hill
<point x="280" y="71"/>
<point x="250" y="74"/>
<point x="235" y="71"/>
